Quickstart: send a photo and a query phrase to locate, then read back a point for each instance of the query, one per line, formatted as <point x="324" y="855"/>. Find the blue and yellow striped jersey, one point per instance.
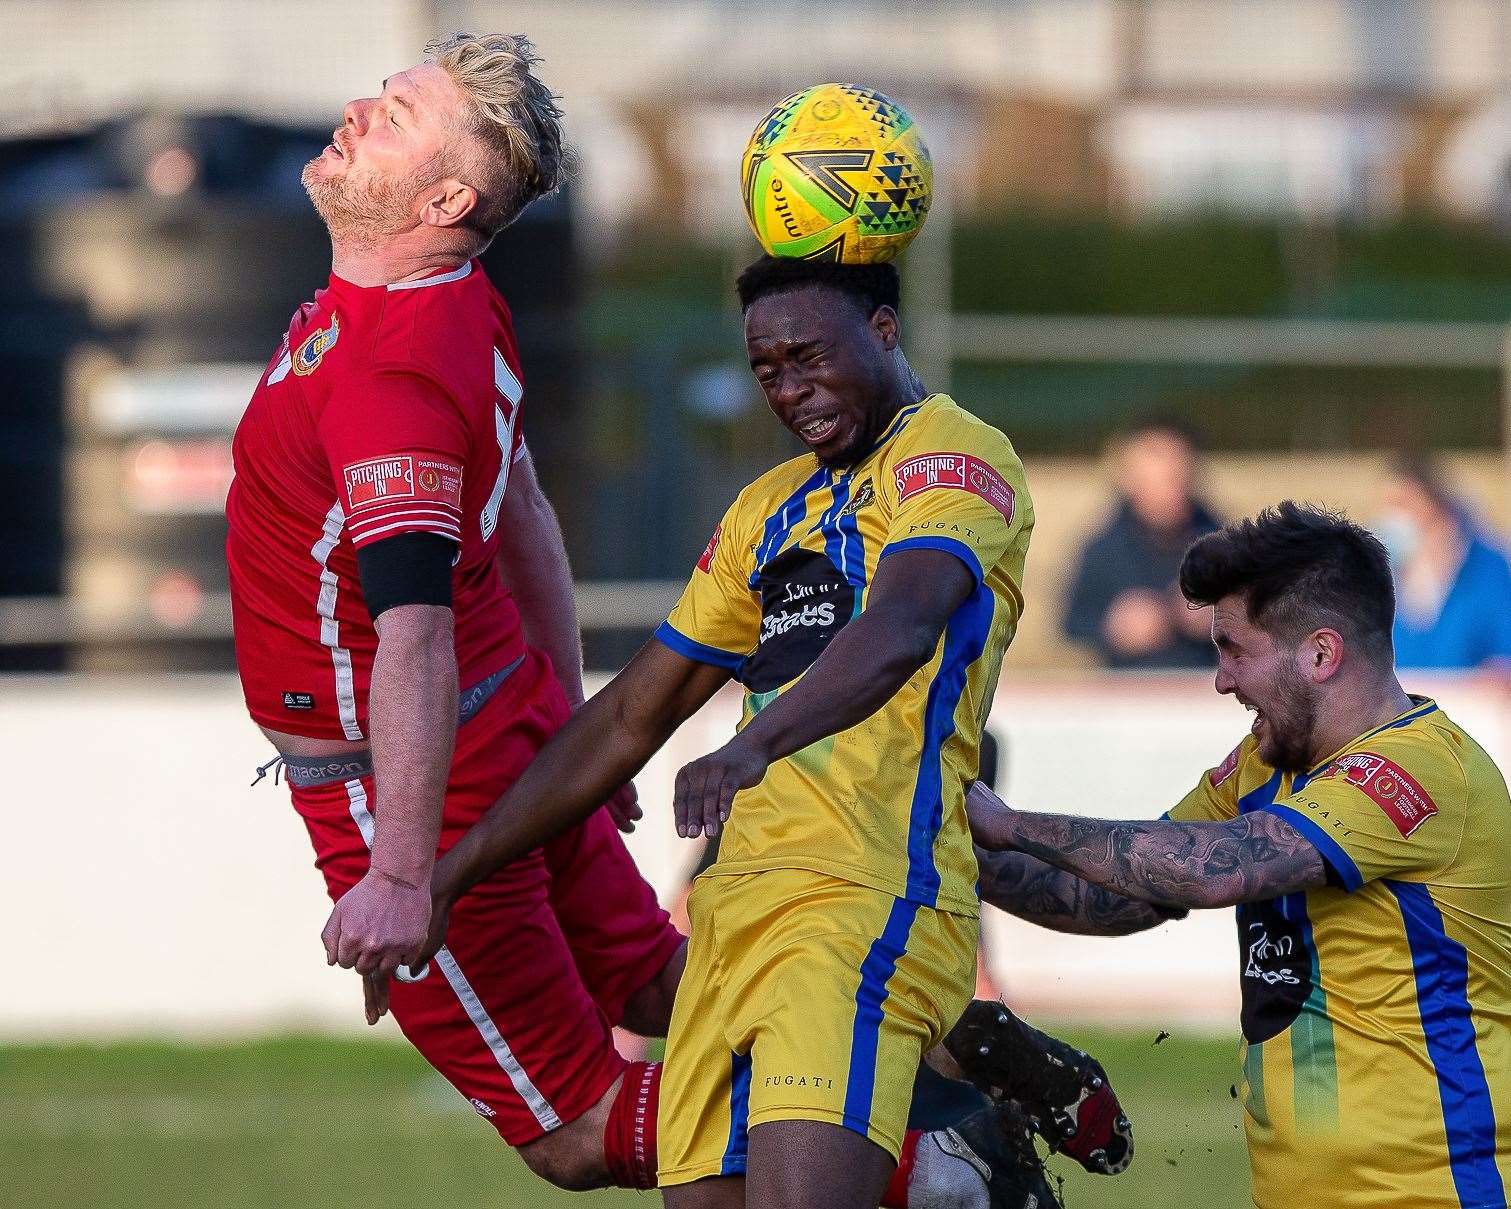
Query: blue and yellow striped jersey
<point x="881" y="804"/>
<point x="1377" y="1010"/>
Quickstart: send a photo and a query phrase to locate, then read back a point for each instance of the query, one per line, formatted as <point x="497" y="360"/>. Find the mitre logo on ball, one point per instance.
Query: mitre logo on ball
<point x="839" y="173"/>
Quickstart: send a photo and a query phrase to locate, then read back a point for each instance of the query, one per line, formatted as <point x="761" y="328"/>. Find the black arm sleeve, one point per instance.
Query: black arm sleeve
<point x="408" y="568"/>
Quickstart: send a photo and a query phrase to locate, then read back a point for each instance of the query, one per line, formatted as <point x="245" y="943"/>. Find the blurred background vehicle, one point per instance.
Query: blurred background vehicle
<point x="1193" y="256"/>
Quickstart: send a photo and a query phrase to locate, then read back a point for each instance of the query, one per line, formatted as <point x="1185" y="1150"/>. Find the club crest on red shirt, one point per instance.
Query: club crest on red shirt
<point x="958" y="472"/>
<point x="1393" y="790"/>
<point x="316" y="345"/>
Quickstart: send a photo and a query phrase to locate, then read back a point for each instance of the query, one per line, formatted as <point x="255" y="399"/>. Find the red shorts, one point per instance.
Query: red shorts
<point x="541" y="958"/>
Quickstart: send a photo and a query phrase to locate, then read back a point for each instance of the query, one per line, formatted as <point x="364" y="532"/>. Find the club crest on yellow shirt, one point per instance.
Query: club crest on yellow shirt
<point x="863" y="496"/>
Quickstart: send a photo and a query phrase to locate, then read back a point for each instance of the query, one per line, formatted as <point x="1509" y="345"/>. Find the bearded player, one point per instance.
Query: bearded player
<point x="863" y="594"/>
<point x="1363" y="836"/>
<point x="404" y="622"/>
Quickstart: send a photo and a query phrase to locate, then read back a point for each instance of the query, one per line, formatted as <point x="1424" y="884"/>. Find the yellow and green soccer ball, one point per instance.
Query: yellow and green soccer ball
<point x="837" y="173"/>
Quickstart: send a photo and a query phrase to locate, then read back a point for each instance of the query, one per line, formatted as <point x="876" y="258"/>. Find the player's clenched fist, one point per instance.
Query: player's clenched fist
<point x="378" y="925"/>
<point x="706" y="788"/>
<point x="624" y="808"/>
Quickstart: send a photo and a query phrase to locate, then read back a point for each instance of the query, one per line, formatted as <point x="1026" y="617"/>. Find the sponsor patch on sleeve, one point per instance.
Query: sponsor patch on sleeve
<point x="1226" y="769"/>
<point x="705" y="564"/>
<point x="438" y="481"/>
<point x="956" y="472"/>
<point x="402" y="477"/>
<point x="1393" y="790"/>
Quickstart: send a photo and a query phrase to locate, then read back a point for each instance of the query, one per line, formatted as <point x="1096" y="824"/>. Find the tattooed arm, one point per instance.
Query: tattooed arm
<point x="1255" y="856"/>
<point x="1025" y="886"/>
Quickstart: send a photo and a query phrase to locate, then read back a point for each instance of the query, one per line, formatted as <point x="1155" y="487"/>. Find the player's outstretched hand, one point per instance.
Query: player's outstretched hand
<point x="988" y="815"/>
<point x="624" y="808"/>
<point x="706" y="788"/>
<point x="378" y="925"/>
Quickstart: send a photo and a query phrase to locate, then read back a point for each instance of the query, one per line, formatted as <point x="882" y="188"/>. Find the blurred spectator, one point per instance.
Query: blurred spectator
<point x="1124" y="602"/>
<point x="1453" y="587"/>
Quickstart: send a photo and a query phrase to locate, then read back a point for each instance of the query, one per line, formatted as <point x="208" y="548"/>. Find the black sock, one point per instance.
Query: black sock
<point x="939" y="1101"/>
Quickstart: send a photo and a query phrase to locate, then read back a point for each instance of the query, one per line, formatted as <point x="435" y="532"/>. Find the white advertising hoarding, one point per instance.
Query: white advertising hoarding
<point x="149" y="890"/>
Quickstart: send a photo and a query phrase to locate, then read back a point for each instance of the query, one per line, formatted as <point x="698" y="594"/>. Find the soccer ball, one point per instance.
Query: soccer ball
<point x="837" y="173"/>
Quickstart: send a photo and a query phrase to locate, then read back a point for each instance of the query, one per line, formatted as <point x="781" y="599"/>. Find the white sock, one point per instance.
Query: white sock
<point x="943" y="1178"/>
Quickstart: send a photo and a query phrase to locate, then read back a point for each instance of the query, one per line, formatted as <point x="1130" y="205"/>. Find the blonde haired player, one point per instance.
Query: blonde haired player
<point x="483" y="141"/>
<point x="404" y="622"/>
<point x="382" y="486"/>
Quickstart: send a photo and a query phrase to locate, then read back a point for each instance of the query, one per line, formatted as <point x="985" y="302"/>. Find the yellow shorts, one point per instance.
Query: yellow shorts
<point x="805" y="998"/>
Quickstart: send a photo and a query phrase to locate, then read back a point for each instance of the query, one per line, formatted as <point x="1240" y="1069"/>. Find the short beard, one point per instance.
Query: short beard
<point x="367" y="209"/>
<point x="1292" y="723"/>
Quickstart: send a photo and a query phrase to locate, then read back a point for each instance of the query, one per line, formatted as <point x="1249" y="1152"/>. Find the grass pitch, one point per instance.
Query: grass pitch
<point x="366" y="1124"/>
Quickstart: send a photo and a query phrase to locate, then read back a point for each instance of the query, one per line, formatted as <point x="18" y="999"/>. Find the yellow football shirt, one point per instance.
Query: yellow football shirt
<point x="1377" y="1010"/>
<point x="881" y="804"/>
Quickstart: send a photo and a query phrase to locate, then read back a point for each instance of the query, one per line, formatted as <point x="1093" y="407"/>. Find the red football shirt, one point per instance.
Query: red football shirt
<point x="387" y="410"/>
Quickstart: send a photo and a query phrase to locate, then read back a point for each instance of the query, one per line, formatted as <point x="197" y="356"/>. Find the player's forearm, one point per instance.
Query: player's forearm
<point x="603" y="745"/>
<point x="860" y="671"/>
<point x="533" y="560"/>
<point x="1027" y="887"/>
<point x="412" y="727"/>
<point x="1151" y="862"/>
<point x="1184" y="865"/>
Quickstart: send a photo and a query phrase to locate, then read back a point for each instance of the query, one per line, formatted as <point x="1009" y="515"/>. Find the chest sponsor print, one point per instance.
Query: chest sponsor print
<point x="805" y="602"/>
<point x="1276" y="966"/>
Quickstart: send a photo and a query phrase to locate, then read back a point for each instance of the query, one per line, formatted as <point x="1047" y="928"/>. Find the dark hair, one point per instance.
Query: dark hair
<point x="872" y="286"/>
<point x="1300" y="569"/>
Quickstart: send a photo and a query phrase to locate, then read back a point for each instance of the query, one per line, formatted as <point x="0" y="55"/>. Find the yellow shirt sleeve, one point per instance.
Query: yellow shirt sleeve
<point x="1370" y="817"/>
<point x="718" y="618"/>
<point x="1215" y="797"/>
<point x="954" y="483"/>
